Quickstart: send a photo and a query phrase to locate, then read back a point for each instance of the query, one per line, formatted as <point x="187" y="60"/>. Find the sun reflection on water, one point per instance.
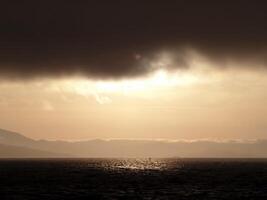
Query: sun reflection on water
<point x="136" y="164"/>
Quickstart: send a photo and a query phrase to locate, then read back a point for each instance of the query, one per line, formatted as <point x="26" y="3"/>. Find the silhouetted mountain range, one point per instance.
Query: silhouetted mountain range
<point x="9" y="137"/>
<point x="8" y="151"/>
<point x="16" y="145"/>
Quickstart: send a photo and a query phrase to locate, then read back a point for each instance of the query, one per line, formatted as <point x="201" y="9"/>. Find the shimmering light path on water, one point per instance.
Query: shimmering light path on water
<point x="133" y="179"/>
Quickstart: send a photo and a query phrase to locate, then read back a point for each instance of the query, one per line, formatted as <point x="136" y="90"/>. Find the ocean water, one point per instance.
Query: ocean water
<point x="133" y="179"/>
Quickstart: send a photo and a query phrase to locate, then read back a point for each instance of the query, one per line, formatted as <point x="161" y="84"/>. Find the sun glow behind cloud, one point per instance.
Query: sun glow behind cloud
<point x="198" y="102"/>
<point x="160" y="80"/>
<point x="153" y="85"/>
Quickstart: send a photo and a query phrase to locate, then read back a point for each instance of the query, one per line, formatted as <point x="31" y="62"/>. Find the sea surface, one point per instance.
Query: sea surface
<point x="133" y="179"/>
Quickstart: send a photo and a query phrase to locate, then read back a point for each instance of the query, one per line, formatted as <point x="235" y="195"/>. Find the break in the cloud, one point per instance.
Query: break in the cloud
<point x="125" y="38"/>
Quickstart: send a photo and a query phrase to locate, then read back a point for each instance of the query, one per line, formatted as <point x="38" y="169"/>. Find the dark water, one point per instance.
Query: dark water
<point x="133" y="179"/>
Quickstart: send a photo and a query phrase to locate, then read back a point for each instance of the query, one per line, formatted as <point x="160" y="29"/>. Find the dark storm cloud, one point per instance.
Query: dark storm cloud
<point x="120" y="38"/>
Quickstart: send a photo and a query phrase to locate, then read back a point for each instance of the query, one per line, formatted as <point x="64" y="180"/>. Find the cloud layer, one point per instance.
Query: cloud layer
<point x="123" y="38"/>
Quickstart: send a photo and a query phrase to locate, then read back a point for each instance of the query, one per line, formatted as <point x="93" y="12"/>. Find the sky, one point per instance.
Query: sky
<point x="128" y="69"/>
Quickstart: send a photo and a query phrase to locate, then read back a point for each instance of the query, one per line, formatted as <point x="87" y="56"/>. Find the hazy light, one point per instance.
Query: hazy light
<point x="193" y="103"/>
<point x="161" y="79"/>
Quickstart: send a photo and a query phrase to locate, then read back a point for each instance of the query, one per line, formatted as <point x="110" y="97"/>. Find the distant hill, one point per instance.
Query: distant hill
<point x="15" y="142"/>
<point x="12" y="138"/>
<point x="7" y="151"/>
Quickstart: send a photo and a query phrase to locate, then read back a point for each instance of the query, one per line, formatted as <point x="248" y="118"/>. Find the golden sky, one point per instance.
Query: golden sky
<point x="202" y="101"/>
